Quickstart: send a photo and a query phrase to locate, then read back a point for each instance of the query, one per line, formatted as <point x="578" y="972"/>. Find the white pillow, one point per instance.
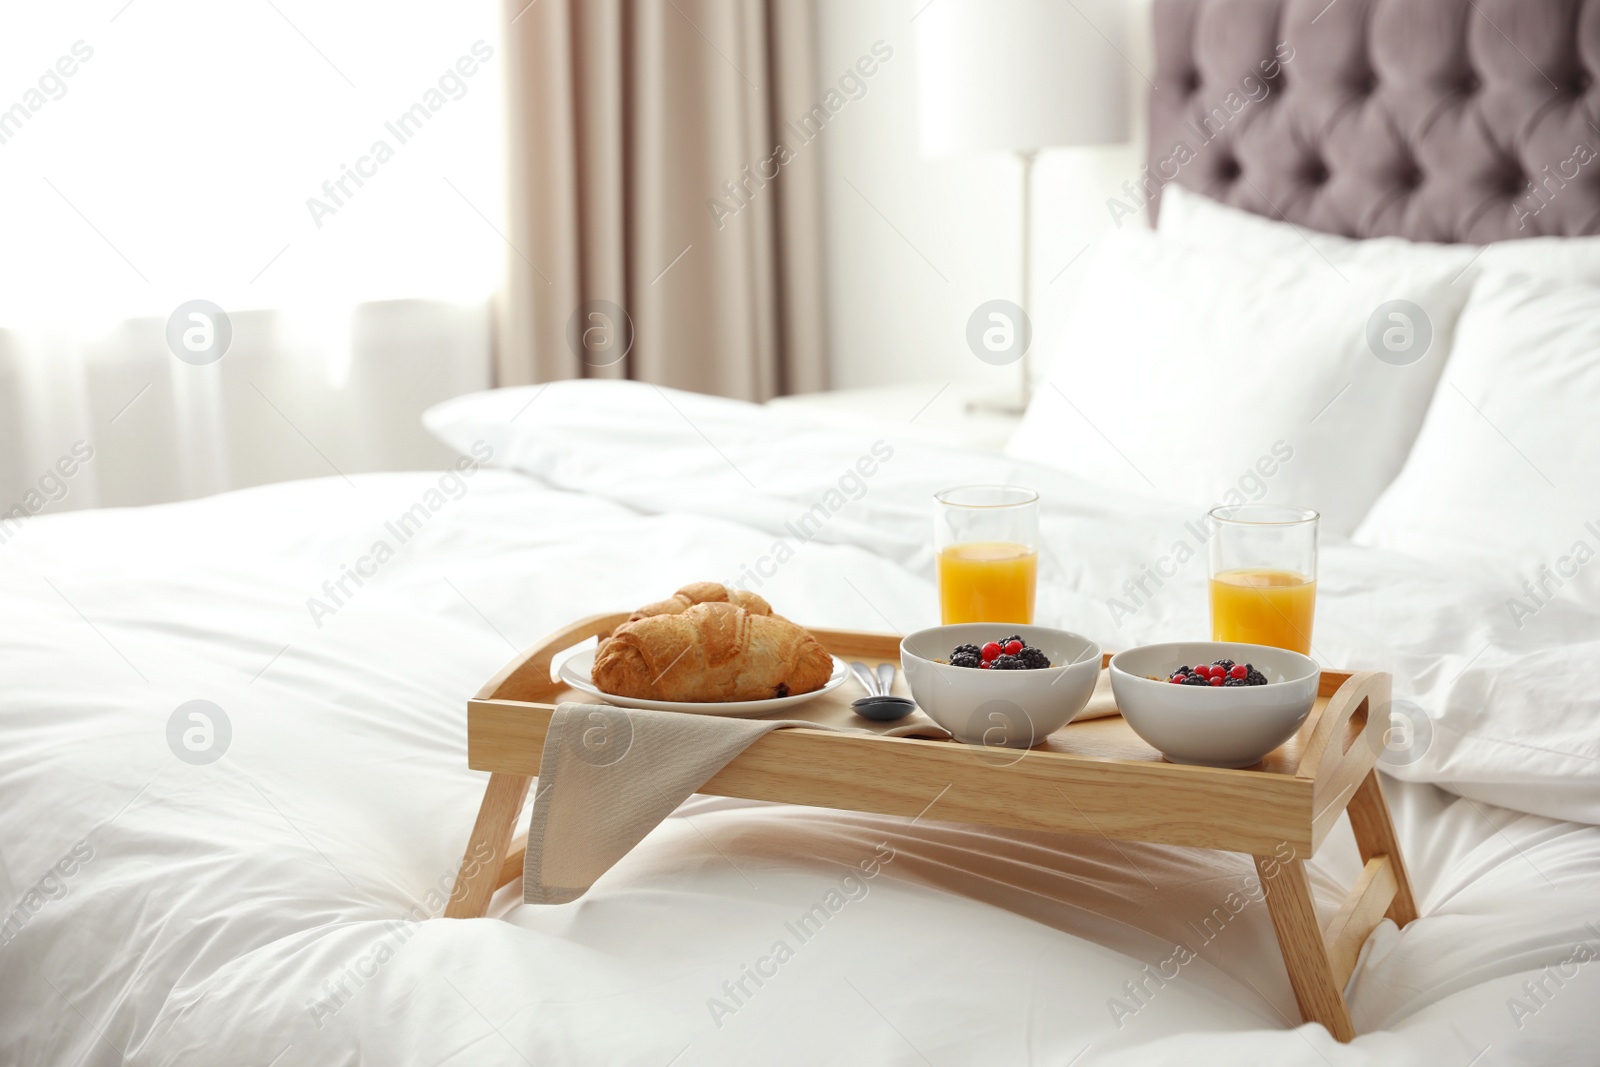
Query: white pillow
<point x="1193" y="217"/>
<point x="1506" y="471"/>
<point x="1212" y="378"/>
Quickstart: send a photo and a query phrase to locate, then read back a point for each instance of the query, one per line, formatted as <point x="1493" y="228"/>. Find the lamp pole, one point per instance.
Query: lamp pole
<point x="1027" y="156"/>
<point x="1019" y="404"/>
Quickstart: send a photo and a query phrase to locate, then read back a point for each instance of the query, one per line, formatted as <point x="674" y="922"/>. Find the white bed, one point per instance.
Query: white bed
<point x="256" y="909"/>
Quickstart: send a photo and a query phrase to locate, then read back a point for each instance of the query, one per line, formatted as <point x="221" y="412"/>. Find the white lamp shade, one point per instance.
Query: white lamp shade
<point x="1019" y="75"/>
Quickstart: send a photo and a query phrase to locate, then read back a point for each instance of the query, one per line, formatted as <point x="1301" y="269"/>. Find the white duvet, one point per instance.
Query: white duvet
<point x="261" y="908"/>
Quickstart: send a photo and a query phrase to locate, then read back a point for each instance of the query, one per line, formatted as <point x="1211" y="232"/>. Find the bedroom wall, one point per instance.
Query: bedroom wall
<point x="915" y="244"/>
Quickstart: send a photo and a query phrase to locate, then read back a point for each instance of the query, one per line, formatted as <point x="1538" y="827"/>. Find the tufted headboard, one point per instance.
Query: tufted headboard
<point x="1436" y="120"/>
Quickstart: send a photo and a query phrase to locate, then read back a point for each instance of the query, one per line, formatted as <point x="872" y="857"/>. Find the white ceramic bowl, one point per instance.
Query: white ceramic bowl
<point x="1013" y="709"/>
<point x="1214" y="726"/>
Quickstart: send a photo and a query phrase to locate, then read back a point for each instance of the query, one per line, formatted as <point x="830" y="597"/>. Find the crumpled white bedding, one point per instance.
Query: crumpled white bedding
<point x="254" y="910"/>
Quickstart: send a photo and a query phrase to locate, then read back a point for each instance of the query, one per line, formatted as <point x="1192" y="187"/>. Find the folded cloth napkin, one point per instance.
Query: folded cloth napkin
<point x="1102" y="702"/>
<point x="608" y="776"/>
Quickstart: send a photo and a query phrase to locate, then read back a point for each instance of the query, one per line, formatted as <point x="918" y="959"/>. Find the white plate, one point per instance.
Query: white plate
<point x="578" y="672"/>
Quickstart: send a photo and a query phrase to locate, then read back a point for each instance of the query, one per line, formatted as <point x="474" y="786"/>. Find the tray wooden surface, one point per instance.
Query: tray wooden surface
<point x="1091" y="777"/>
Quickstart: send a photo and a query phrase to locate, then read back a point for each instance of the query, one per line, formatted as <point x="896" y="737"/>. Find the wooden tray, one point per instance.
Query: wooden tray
<point x="1091" y="777"/>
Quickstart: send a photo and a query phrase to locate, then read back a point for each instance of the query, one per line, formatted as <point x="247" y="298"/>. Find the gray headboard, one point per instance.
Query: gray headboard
<point x="1436" y="120"/>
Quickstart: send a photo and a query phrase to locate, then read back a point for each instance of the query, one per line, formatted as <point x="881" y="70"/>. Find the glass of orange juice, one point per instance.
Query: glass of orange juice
<point x="1264" y="575"/>
<point x="987" y="539"/>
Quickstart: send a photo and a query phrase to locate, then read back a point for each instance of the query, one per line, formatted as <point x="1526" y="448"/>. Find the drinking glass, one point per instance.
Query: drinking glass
<point x="1263" y="575"/>
<point x="987" y="540"/>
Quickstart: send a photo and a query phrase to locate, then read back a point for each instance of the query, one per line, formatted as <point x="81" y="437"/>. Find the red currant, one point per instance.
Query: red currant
<point x="1176" y="679"/>
<point x="1239" y="671"/>
<point x="1013" y="647"/>
<point x="1216" y="679"/>
<point x="990" y="651"/>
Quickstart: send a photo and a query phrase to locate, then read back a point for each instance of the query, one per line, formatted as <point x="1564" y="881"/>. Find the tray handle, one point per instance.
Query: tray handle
<point x="1362" y="697"/>
<point x="527" y="676"/>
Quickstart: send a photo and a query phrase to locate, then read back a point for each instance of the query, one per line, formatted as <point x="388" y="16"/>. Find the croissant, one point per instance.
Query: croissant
<point x="710" y="651"/>
<point x="701" y="593"/>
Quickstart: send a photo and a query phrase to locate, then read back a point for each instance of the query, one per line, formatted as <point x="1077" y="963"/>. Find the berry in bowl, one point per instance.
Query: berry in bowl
<point x="1214" y="703"/>
<point x="970" y="679"/>
<point x="1221" y="673"/>
<point x="1004" y="654"/>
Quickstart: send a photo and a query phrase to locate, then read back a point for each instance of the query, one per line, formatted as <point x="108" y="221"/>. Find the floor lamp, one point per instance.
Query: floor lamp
<point x="1019" y="76"/>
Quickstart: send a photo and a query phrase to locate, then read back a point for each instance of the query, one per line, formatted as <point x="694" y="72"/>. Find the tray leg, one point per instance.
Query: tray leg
<point x="1305" y="953"/>
<point x="488" y="847"/>
<point x="1369" y="818"/>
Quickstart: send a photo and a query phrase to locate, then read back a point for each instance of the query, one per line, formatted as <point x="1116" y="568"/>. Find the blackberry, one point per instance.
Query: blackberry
<point x="1234" y="683"/>
<point x="1225" y="664"/>
<point x="1033" y="658"/>
<point x="1195" y="679"/>
<point x="1004" y="641"/>
<point x="962" y="650"/>
<point x="967" y="659"/>
<point x="1007" y="663"/>
<point x="1253" y="676"/>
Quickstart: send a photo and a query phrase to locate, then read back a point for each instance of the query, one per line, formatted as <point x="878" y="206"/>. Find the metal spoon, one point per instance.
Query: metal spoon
<point x="886" y="678"/>
<point x="878" y="705"/>
<point x="865" y="676"/>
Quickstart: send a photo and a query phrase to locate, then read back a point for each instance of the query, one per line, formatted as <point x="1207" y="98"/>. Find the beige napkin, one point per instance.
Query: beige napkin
<point x="1101" y="702"/>
<point x="608" y="776"/>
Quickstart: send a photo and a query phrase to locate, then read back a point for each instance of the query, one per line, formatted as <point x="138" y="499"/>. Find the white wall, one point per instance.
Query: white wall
<point x="891" y="316"/>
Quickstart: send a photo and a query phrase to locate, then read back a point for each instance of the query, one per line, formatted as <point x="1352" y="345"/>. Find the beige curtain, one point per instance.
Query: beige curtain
<point x="652" y="171"/>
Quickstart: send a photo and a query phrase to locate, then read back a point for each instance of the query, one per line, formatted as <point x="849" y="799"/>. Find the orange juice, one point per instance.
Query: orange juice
<point x="1263" y="607"/>
<point x="987" y="581"/>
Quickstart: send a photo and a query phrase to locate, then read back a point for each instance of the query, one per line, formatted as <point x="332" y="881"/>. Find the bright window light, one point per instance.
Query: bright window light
<point x="259" y="154"/>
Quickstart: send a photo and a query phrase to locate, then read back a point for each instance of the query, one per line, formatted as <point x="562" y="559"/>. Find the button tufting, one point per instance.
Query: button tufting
<point x="1388" y="123"/>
